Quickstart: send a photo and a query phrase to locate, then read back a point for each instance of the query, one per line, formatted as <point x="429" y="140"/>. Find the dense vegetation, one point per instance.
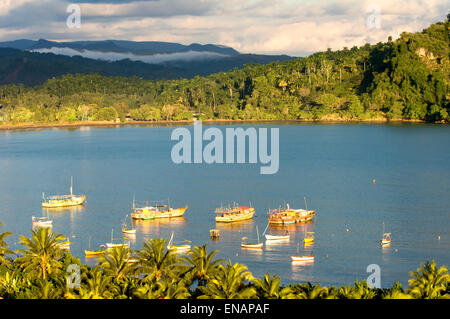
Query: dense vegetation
<point x="33" y="68"/>
<point x="405" y="79"/>
<point x="39" y="271"/>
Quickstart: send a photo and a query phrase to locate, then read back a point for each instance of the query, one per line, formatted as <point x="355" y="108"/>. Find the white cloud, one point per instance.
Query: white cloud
<point x="153" y="59"/>
<point x="252" y="26"/>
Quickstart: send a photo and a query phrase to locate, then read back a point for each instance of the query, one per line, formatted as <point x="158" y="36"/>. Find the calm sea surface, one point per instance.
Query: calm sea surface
<point x="333" y="165"/>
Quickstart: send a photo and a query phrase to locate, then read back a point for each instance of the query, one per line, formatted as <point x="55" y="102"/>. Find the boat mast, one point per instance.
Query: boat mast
<point x="134" y="198"/>
<point x="266" y="229"/>
<point x="71" y="180"/>
<point x="305" y="202"/>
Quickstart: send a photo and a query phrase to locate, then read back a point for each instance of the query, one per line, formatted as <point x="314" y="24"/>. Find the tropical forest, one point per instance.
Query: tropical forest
<point x="406" y="79"/>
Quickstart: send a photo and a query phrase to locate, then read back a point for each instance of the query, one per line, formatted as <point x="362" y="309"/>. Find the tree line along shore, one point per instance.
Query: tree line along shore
<point x="406" y="79"/>
<point x="40" y="271"/>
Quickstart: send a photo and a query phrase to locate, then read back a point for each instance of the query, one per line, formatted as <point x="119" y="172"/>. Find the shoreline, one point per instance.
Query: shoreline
<point x="78" y="124"/>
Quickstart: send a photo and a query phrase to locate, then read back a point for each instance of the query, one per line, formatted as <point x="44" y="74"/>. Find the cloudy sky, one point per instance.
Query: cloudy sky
<point x="295" y="27"/>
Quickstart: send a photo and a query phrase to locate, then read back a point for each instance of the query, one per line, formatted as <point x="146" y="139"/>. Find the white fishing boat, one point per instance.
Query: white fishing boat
<point x="303" y="258"/>
<point x="128" y="230"/>
<point x="177" y="248"/>
<point x="65" y="245"/>
<point x="112" y="244"/>
<point x="58" y="201"/>
<point x="386" y="239"/>
<point x="278" y="237"/>
<point x="245" y="244"/>
<point x="41" y="221"/>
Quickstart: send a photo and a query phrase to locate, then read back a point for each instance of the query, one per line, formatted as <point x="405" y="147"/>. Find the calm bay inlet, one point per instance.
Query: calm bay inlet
<point x="362" y="180"/>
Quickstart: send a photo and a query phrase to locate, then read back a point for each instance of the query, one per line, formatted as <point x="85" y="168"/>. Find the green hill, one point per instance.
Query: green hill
<point x="403" y="79"/>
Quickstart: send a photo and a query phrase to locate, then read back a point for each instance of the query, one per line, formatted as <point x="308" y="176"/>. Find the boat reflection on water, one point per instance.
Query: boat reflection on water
<point x="130" y="237"/>
<point x="156" y="226"/>
<point x="240" y="226"/>
<point x="293" y="227"/>
<point x="276" y="245"/>
<point x="302" y="271"/>
<point x="58" y="211"/>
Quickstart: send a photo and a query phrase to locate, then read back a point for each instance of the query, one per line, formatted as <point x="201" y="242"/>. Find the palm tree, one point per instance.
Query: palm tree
<point x="155" y="260"/>
<point x="42" y="254"/>
<point x="357" y="291"/>
<point x="396" y="292"/>
<point x="268" y="288"/>
<point x="43" y="289"/>
<point x="428" y="282"/>
<point x="96" y="285"/>
<point x="307" y="291"/>
<point x="4" y="248"/>
<point x="201" y="264"/>
<point x="115" y="263"/>
<point x="228" y="283"/>
<point x="10" y="283"/>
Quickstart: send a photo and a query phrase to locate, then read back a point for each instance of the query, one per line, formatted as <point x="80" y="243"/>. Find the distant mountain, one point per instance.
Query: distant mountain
<point x="33" y="62"/>
<point x="120" y="46"/>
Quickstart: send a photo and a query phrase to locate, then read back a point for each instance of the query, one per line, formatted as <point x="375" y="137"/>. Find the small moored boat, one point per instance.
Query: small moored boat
<point x="386" y="240"/>
<point x="277" y="237"/>
<point x="41" y="221"/>
<point x="128" y="230"/>
<point x="177" y="248"/>
<point x="92" y="253"/>
<point x="65" y="245"/>
<point x="303" y="258"/>
<point x="309" y="239"/>
<point x="112" y="244"/>
<point x="257" y="245"/>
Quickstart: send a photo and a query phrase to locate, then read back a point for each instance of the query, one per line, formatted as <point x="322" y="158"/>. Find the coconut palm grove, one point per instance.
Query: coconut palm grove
<point x="41" y="271"/>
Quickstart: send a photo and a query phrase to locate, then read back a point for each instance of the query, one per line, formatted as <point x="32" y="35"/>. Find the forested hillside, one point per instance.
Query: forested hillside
<point x="403" y="79"/>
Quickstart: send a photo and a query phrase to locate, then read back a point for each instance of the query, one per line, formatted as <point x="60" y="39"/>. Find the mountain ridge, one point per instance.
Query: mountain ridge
<point x="29" y="66"/>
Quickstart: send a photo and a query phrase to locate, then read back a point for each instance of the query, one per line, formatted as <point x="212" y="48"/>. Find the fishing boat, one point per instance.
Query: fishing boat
<point x="57" y="201"/>
<point x="92" y="253"/>
<point x="65" y="245"/>
<point x="386" y="240"/>
<point x="245" y="244"/>
<point x="285" y="236"/>
<point x="234" y="213"/>
<point x="309" y="238"/>
<point x="288" y="216"/>
<point x="277" y="237"/>
<point x="177" y="248"/>
<point x="112" y="244"/>
<point x="281" y="217"/>
<point x="128" y="230"/>
<point x="302" y="258"/>
<point x="41" y="221"/>
<point x="157" y="211"/>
